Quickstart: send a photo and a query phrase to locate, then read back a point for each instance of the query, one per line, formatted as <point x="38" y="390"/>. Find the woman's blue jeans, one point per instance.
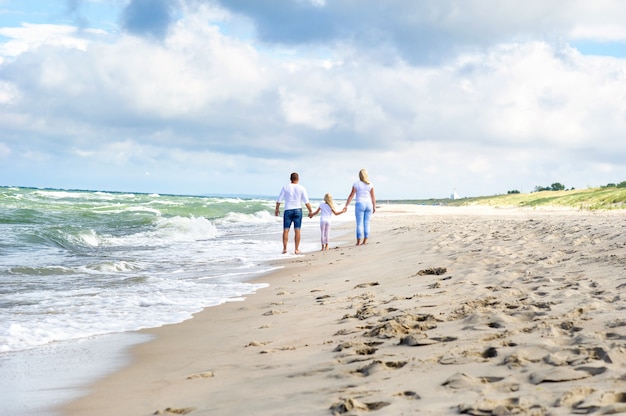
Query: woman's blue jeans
<point x="362" y="212"/>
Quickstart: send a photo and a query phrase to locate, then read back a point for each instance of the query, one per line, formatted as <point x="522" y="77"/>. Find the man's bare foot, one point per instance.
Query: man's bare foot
<point x="297" y="252"/>
<point x="284" y="251"/>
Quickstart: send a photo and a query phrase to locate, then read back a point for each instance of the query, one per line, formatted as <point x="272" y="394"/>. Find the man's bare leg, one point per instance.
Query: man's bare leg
<point x="297" y="238"/>
<point x="285" y="239"/>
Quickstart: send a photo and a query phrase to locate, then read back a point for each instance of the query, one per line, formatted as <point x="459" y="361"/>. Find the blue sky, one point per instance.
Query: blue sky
<point x="230" y="96"/>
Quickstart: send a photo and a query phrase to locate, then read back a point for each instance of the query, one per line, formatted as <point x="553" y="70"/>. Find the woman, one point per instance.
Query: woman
<point x="365" y="206"/>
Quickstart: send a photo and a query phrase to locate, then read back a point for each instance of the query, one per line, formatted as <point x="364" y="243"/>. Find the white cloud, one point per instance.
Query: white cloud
<point x="8" y="92"/>
<point x="305" y="110"/>
<point x="604" y="33"/>
<point x="32" y="36"/>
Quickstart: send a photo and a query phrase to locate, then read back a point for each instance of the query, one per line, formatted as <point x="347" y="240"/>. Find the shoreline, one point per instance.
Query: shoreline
<point x="357" y="329"/>
<point x="36" y="381"/>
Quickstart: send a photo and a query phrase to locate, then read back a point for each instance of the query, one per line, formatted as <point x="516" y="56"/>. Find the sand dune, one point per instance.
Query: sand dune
<point x="446" y="311"/>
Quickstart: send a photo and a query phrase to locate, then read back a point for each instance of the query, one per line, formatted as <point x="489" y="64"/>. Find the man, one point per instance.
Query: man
<point x="294" y="196"/>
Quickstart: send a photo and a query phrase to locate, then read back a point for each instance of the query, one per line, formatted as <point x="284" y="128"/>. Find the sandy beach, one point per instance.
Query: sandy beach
<point x="478" y="311"/>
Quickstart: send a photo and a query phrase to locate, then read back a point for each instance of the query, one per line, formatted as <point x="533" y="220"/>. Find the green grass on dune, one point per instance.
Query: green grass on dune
<point x="584" y="199"/>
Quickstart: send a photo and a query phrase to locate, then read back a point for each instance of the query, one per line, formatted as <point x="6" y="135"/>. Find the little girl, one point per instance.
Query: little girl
<point x="327" y="209"/>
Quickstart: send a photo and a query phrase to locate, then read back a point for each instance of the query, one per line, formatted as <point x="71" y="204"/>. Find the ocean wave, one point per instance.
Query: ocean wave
<point x="71" y="238"/>
<point x="185" y="229"/>
<point x="115" y="267"/>
<point x="142" y="209"/>
<point x="124" y="308"/>
<point x="58" y="194"/>
<point x="260" y="217"/>
<point x="41" y="271"/>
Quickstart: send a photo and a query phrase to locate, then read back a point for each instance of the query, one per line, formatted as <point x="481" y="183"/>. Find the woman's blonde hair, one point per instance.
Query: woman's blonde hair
<point x="363" y="176"/>
<point x="328" y="198"/>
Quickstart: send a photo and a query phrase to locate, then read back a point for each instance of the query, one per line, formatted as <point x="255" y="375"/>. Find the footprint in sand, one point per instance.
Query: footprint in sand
<point x="557" y="374"/>
<point x="289" y="348"/>
<point x="273" y="312"/>
<point x="465" y="381"/>
<point x="364" y="285"/>
<point x="389" y="329"/>
<point x="409" y="394"/>
<point x="172" y="411"/>
<point x="574" y="396"/>
<point x="603" y="403"/>
<point x="346" y="332"/>
<point x="350" y="405"/>
<point x="509" y="406"/>
<point x="257" y="343"/>
<point x="205" y="374"/>
<point x="420" y="340"/>
<point x="437" y="271"/>
<point x="359" y="348"/>
<point x="376" y="366"/>
<point x="312" y="372"/>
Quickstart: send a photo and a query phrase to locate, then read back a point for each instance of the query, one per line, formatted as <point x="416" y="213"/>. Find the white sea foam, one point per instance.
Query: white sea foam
<point x="185" y="229"/>
<point x="260" y="217"/>
<point x="142" y="209"/>
<point x="59" y="194"/>
<point x="115" y="267"/>
<point x="84" y="313"/>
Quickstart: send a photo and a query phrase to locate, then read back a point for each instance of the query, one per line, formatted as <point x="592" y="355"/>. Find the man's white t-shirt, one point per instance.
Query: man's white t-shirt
<point x="294" y="195"/>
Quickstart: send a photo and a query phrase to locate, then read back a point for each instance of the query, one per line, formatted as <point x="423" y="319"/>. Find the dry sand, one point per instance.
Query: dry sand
<point x="447" y="310"/>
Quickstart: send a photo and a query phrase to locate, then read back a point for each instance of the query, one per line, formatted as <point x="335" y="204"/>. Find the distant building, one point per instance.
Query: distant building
<point x="454" y="195"/>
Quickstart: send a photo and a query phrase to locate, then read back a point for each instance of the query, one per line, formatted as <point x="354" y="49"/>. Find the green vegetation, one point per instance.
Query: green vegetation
<point x="586" y="199"/>
<point x="622" y="184"/>
<point x="556" y="186"/>
<point x="603" y="198"/>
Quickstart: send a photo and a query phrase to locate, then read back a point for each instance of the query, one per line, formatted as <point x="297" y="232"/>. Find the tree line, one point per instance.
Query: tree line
<point x="557" y="186"/>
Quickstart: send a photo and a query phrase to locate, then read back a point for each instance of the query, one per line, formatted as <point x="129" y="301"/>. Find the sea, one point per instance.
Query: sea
<point x="82" y="271"/>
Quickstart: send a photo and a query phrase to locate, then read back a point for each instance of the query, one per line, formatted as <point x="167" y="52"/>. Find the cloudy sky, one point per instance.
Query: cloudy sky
<point x="230" y="96"/>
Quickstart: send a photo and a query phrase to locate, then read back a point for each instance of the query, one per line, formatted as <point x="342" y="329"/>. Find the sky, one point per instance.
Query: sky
<point x="199" y="97"/>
